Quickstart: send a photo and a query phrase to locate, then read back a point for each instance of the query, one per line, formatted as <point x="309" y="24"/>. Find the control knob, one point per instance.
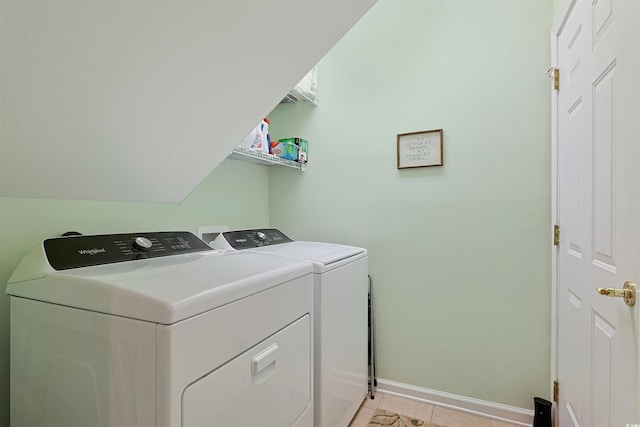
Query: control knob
<point x="142" y="243"/>
<point x="261" y="236"/>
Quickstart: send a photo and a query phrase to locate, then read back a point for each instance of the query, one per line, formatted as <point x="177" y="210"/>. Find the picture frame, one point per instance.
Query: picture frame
<point x="420" y="149"/>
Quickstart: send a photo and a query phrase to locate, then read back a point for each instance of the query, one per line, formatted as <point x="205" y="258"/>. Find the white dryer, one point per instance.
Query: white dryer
<point x="159" y="330"/>
<point x="341" y="317"/>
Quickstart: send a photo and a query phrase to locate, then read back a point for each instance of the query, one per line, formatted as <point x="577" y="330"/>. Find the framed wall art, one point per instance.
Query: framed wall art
<point x="420" y="149"/>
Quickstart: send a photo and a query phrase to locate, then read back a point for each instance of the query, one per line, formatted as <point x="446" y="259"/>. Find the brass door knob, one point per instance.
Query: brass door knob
<point x="628" y="292"/>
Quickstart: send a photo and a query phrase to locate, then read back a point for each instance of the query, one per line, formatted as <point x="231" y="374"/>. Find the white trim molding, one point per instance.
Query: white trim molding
<point x="563" y="14"/>
<point x="558" y="25"/>
<point x="496" y="411"/>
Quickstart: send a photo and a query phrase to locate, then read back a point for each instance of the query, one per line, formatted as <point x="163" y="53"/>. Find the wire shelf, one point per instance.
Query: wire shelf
<point x="252" y="156"/>
<point x="299" y="94"/>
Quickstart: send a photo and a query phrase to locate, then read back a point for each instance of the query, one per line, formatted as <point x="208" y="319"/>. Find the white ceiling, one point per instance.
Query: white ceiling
<point x="140" y="100"/>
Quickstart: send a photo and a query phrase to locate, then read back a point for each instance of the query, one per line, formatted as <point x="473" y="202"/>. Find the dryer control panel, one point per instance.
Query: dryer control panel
<point x="247" y="239"/>
<point x="64" y="253"/>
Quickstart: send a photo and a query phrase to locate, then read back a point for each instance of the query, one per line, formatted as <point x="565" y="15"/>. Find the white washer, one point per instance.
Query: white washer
<point x="159" y="330"/>
<point x="340" y="322"/>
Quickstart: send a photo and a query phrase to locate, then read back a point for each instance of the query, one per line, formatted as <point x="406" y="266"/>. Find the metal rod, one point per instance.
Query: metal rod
<point x="372" y="348"/>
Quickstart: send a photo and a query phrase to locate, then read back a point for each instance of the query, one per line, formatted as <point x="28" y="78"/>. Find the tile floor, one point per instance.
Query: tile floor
<point x="421" y="411"/>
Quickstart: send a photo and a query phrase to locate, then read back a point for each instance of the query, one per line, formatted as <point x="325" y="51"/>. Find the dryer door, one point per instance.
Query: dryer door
<point x="268" y="385"/>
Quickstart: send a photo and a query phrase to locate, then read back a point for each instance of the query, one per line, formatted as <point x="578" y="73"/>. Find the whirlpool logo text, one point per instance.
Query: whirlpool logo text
<point x="92" y="251"/>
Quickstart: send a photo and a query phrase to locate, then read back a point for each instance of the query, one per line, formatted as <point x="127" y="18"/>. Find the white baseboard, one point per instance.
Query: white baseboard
<point x="496" y="411"/>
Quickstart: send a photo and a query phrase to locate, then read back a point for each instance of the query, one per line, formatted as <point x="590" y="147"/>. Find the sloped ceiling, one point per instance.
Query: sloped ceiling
<point x="133" y="100"/>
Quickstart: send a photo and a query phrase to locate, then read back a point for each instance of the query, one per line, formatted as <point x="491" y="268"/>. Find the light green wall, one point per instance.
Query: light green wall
<point x="459" y="255"/>
<point x="235" y="194"/>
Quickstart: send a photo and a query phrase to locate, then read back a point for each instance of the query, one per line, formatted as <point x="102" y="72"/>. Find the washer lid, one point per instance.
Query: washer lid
<point x="325" y="254"/>
<point x="162" y="290"/>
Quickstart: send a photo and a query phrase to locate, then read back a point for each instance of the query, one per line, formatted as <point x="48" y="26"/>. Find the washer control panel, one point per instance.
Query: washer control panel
<point x="247" y="239"/>
<point x="64" y="253"/>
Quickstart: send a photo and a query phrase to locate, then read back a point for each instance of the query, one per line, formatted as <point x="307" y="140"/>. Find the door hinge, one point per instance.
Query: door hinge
<point x="555" y="74"/>
<point x="556" y="391"/>
<point x="556" y="235"/>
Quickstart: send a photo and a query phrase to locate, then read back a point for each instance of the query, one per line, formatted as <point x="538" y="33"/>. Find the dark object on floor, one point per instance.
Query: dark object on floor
<point x="542" y="416"/>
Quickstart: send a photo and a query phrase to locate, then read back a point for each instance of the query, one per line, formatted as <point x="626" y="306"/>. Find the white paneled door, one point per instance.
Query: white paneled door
<point x="598" y="210"/>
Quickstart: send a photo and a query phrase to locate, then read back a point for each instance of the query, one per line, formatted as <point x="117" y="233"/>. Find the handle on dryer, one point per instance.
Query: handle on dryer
<point x="264" y="359"/>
